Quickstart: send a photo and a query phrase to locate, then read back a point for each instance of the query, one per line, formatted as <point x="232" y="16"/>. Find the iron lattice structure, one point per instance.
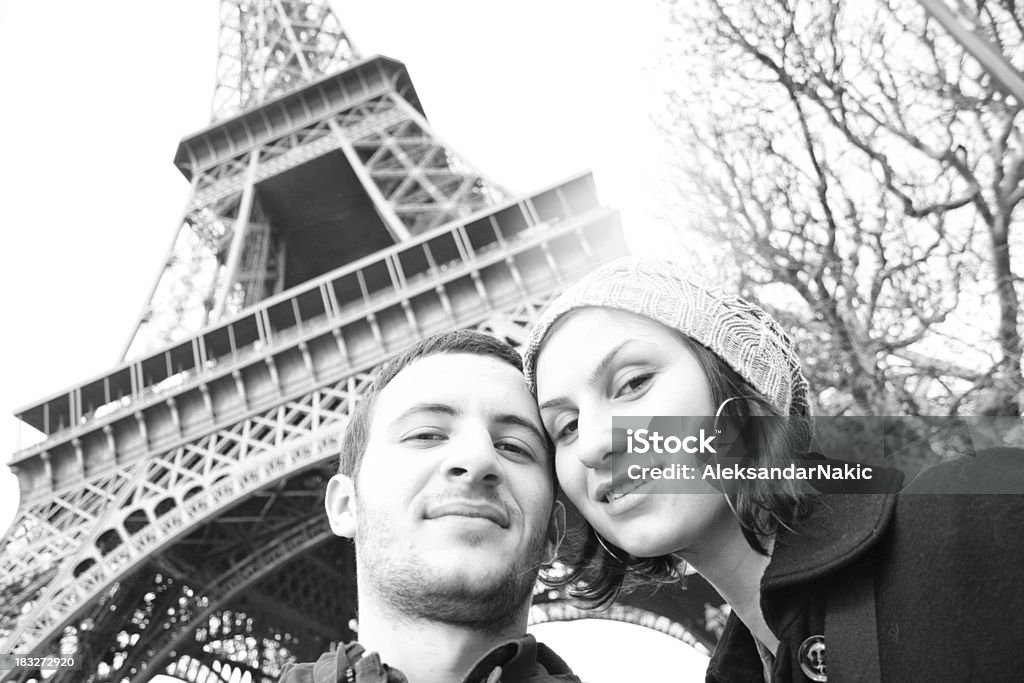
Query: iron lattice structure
<point x="269" y="47"/>
<point x="171" y="520"/>
<point x="292" y="89"/>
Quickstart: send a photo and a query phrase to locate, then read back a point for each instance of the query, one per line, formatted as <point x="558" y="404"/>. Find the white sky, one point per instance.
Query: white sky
<point x="98" y="95"/>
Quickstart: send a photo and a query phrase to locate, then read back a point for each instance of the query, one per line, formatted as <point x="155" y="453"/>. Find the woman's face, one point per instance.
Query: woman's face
<point x="598" y="363"/>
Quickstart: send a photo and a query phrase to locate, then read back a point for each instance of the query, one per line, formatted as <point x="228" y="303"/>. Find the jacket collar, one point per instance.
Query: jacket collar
<point x="522" y="659"/>
<point x="517" y="659"/>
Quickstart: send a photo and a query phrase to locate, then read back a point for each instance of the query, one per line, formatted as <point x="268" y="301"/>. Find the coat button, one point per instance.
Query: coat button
<point x="812" y="658"/>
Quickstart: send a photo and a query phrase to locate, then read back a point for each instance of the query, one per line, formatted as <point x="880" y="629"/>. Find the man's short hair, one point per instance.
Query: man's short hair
<point x="357" y="434"/>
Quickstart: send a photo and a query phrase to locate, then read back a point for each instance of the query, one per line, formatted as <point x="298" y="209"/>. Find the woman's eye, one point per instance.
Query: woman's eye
<point x="567" y="430"/>
<point x="634" y="384"/>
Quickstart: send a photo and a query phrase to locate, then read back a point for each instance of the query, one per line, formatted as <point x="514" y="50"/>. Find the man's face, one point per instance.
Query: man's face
<point x="454" y="493"/>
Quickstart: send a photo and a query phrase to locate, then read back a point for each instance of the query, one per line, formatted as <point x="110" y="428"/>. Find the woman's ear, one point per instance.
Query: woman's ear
<point x="340" y="503"/>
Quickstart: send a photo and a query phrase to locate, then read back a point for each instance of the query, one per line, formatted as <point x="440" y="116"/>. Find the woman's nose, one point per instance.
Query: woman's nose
<point x="598" y="440"/>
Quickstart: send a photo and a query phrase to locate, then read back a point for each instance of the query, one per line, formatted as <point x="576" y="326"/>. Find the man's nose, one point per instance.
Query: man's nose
<point x="474" y="458"/>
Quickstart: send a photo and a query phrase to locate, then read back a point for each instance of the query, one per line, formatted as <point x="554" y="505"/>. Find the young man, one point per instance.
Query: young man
<point x="446" y="487"/>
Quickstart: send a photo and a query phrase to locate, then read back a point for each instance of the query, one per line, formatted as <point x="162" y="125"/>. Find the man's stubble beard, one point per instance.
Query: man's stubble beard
<point x="405" y="585"/>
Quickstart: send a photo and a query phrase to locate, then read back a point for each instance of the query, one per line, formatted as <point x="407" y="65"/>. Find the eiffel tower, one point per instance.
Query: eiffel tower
<point x="171" y="520"/>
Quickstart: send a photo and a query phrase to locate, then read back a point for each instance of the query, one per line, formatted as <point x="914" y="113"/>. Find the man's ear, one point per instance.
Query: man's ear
<point x="340" y="503"/>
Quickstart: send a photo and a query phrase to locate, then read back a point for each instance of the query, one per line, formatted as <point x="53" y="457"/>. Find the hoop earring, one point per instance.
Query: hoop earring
<point x="560" y="529"/>
<point x="728" y="501"/>
<point x="681" y="568"/>
<point x="718" y="413"/>
<point x="608" y="550"/>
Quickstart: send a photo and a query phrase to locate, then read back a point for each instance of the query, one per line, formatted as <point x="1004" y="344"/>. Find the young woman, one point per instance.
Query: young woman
<point x="926" y="589"/>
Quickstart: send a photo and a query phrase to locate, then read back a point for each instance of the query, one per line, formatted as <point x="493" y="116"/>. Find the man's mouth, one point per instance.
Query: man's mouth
<point x="470" y="508"/>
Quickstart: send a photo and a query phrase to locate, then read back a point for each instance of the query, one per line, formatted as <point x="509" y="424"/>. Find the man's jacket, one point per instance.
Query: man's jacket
<point x="518" y="661"/>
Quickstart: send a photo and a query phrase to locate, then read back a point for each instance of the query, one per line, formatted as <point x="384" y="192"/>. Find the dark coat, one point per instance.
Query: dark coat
<point x="948" y="586"/>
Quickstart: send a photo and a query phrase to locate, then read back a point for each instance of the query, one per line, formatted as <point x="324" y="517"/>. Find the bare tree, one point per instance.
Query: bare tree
<point x="867" y="175"/>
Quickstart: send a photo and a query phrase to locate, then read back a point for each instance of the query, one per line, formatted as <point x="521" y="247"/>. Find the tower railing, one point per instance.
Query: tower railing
<point x="372" y="305"/>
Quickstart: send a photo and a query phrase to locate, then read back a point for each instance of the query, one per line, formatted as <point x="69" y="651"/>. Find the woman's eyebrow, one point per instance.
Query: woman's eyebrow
<point x="595" y="376"/>
<point x="602" y="367"/>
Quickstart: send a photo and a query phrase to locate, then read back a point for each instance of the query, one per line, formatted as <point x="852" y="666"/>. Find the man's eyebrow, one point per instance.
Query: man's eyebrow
<point x="511" y="419"/>
<point x="595" y="376"/>
<point x="417" y="408"/>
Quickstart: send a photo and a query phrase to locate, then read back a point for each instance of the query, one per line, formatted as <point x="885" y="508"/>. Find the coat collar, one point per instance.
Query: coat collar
<point x="841" y="528"/>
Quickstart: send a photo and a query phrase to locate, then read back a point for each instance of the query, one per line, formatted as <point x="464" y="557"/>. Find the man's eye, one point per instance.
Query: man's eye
<point x="515" y="448"/>
<point x="425" y="436"/>
<point x="634" y="384"/>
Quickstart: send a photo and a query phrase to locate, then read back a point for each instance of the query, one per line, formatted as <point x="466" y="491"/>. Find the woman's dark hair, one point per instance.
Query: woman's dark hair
<point x="596" y="577"/>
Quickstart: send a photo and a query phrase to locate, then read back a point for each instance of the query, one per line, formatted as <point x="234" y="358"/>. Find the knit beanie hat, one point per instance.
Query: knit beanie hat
<point x="743" y="335"/>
